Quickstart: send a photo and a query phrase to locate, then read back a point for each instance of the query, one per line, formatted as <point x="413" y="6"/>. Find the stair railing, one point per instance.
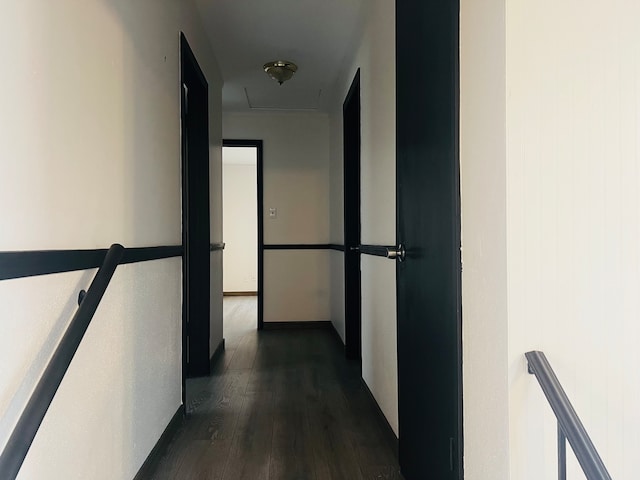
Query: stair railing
<point x="569" y="425"/>
<point x="31" y="418"/>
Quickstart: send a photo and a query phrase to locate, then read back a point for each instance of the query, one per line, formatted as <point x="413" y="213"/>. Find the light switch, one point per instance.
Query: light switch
<point x="273" y="213"/>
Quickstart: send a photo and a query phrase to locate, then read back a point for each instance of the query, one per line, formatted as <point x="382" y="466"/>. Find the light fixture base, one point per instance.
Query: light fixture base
<point x="280" y="70"/>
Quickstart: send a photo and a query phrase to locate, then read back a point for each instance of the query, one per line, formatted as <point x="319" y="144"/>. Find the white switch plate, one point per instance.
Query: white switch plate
<point x="273" y="213"/>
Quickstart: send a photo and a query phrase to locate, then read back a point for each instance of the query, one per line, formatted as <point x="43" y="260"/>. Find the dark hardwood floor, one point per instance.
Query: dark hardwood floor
<point x="281" y="404"/>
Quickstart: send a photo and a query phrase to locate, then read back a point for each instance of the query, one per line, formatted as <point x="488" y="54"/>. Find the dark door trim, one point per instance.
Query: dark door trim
<point x="351" y="165"/>
<point x="194" y="116"/>
<point x="259" y="171"/>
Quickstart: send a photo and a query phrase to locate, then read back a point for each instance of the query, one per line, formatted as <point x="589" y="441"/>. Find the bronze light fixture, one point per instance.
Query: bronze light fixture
<point x="280" y="70"/>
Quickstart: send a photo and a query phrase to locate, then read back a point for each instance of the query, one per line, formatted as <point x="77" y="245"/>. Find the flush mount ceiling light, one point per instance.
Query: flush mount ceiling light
<point x="280" y="70"/>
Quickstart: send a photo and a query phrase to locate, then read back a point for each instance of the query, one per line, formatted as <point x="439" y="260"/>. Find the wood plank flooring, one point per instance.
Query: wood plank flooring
<point x="281" y="404"/>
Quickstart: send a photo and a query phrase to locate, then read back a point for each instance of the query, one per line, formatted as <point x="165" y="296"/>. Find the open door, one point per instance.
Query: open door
<point x="428" y="226"/>
<point x="352" y="280"/>
<point x="195" y="216"/>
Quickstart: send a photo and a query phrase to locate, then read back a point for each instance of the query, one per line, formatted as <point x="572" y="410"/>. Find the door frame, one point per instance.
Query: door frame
<point x="260" y="189"/>
<point x="190" y="71"/>
<point x="351" y="142"/>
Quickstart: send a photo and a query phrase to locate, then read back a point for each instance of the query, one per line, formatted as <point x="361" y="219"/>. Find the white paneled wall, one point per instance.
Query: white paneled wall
<point x="573" y="216"/>
<point x="551" y="228"/>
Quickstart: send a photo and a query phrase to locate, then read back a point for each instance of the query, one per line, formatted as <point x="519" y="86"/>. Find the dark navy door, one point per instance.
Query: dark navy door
<point x="428" y="225"/>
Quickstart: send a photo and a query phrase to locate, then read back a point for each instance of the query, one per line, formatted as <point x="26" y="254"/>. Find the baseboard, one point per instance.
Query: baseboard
<point x="217" y="354"/>
<point x="336" y="335"/>
<point x="240" y="294"/>
<point x="148" y="467"/>
<point x="384" y="423"/>
<point x="297" y="325"/>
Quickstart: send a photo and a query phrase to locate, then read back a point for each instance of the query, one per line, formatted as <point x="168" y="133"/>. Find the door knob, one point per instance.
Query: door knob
<point x="396" y="253"/>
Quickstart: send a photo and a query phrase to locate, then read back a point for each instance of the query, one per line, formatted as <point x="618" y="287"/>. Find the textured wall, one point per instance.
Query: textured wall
<point x="90" y="143"/>
<point x="484" y="252"/>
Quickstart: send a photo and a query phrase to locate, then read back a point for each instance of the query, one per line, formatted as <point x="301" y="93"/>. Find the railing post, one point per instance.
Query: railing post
<point x="562" y="454"/>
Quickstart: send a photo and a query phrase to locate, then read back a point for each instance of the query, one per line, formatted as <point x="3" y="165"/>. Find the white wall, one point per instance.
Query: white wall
<point x="90" y="148"/>
<point x="240" y="198"/>
<point x="551" y="227"/>
<point x="573" y="216"/>
<point x="336" y="209"/>
<point x="484" y="254"/>
<point x="296" y="286"/>
<point x="375" y="55"/>
<point x="296" y="183"/>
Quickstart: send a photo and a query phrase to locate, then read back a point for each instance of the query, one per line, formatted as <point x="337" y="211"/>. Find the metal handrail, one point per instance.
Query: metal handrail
<point x="392" y="252"/>
<point x="29" y="422"/>
<point x="569" y="425"/>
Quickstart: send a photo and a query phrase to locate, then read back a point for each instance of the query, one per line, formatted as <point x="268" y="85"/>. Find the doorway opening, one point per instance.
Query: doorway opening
<point x="243" y="232"/>
<point x="195" y="217"/>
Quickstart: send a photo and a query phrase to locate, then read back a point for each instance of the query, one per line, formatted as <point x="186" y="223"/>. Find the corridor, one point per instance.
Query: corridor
<point x="280" y="404"/>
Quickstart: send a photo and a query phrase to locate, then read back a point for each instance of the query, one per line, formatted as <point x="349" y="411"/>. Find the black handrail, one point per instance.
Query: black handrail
<point x="214" y="247"/>
<point x="391" y="252"/>
<point x="375" y="250"/>
<point x="29" y="422"/>
<point x="569" y="424"/>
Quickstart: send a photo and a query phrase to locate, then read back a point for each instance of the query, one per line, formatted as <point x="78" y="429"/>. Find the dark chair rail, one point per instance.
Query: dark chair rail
<point x="29" y="422"/>
<point x="376" y="250"/>
<point x="569" y="423"/>
<point x="310" y="246"/>
<point x="297" y="246"/>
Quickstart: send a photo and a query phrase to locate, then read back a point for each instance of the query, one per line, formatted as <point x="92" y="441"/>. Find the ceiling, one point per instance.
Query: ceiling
<point x="317" y="35"/>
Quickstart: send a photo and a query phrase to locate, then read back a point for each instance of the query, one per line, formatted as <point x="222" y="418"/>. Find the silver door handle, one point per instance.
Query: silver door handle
<point x="354" y="249"/>
<point x="397" y="253"/>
